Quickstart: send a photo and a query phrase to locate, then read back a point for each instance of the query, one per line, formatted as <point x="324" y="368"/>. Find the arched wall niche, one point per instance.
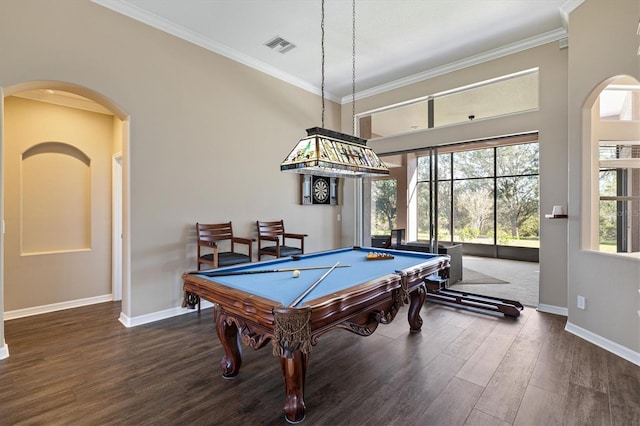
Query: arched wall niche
<point x="55" y="206"/>
<point x="57" y="148"/>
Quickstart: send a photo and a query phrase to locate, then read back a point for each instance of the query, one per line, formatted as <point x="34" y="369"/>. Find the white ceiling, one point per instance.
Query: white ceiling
<point x="397" y="41"/>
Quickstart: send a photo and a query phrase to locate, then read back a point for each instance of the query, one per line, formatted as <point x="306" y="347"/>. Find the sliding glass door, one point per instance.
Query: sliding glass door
<point x="484" y="196"/>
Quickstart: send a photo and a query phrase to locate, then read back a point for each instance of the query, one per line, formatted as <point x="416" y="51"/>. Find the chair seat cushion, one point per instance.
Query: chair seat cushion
<point x="228" y="258"/>
<point x="284" y="250"/>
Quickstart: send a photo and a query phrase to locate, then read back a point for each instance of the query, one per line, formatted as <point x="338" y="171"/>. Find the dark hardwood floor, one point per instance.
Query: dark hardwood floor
<point x="82" y="367"/>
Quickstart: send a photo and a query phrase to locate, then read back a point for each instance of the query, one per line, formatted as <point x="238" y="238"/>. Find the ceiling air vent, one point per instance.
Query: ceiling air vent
<point x="278" y="44"/>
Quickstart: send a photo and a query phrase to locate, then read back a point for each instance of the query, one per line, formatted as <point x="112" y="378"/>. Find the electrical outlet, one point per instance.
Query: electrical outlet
<point x="581" y="302"/>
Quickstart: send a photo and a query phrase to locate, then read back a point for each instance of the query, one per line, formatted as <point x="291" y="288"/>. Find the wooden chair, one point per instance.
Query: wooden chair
<point x="209" y="238"/>
<point x="273" y="234"/>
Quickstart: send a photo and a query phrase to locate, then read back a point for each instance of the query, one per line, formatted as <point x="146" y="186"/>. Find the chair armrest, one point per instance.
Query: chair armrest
<point x="243" y="240"/>
<point x="212" y="245"/>
<point x="297" y="236"/>
<point x="248" y="242"/>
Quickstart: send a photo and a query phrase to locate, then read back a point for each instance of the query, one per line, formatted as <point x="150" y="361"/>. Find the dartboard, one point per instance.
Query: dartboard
<point x="320" y="190"/>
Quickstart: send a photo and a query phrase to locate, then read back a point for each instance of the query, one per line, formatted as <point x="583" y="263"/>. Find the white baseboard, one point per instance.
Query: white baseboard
<point x="4" y="351"/>
<point x="551" y="309"/>
<point x="37" y="310"/>
<point x="157" y="316"/>
<point x="124" y="319"/>
<point x="613" y="347"/>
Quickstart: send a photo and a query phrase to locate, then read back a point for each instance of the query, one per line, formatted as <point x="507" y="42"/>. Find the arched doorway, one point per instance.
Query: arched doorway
<point x="57" y="205"/>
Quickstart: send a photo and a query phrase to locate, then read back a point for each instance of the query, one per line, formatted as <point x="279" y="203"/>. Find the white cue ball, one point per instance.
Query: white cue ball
<point x="296" y="273"/>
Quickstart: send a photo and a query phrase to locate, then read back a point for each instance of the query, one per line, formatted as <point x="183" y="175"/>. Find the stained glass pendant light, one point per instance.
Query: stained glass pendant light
<point x="329" y="153"/>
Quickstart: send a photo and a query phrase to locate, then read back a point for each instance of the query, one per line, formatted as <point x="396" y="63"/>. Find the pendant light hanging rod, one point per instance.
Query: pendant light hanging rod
<point x="353" y="69"/>
<point x="322" y="66"/>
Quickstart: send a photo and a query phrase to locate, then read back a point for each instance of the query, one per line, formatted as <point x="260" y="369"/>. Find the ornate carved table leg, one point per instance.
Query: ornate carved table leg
<point x="228" y="335"/>
<point x="417" y="300"/>
<point x="294" y="370"/>
<point x="190" y="300"/>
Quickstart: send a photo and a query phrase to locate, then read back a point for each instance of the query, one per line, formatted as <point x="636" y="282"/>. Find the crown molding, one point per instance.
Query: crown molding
<point x="489" y="55"/>
<point x="127" y="9"/>
<point x="155" y="21"/>
<point x="567" y="8"/>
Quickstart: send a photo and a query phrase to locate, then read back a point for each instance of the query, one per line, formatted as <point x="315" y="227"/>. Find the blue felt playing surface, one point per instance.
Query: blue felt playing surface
<point x="283" y="288"/>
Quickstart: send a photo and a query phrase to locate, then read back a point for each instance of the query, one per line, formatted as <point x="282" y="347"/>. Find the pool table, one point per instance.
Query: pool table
<point x="358" y="294"/>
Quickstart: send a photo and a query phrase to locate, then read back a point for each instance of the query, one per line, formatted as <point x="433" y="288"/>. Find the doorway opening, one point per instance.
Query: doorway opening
<point x="62" y="114"/>
<point x="478" y="202"/>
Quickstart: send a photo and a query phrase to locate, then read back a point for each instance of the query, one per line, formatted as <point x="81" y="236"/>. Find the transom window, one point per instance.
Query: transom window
<point x="500" y="96"/>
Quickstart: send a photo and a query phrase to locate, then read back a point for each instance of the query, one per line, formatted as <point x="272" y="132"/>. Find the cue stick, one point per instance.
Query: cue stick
<point x="263" y="271"/>
<point x="312" y="286"/>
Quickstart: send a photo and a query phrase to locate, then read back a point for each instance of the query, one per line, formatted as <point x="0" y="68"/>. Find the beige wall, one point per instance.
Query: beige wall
<point x="207" y="134"/>
<point x="57" y="208"/>
<point x="549" y="120"/>
<point x="603" y="44"/>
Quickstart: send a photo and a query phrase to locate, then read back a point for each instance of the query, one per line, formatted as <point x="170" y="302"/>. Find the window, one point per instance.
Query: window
<point x="488" y="195"/>
<point x="383" y="206"/>
<point x="517" y="186"/>
<point x="424" y="207"/>
<point x="500" y="96"/>
<point x="445" y="201"/>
